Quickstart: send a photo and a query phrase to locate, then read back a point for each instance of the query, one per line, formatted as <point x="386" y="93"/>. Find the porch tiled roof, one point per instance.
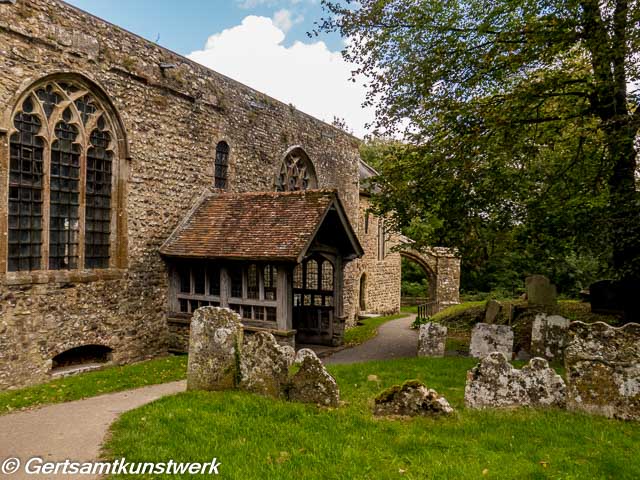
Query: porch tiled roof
<point x="256" y="226"/>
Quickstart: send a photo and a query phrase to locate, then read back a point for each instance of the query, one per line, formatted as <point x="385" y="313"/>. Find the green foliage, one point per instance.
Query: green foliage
<point x="111" y="379"/>
<point x="258" y="438"/>
<point x="414" y="280"/>
<point x="520" y="125"/>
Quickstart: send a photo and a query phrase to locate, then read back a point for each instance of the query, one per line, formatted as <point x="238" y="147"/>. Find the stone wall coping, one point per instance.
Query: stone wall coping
<point x="60" y="276"/>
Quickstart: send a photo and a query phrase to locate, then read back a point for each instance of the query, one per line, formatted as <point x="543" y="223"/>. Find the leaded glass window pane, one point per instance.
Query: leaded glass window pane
<point x="221" y="165"/>
<point x="64" y="213"/>
<point x="25" y="192"/>
<point x="98" y="200"/>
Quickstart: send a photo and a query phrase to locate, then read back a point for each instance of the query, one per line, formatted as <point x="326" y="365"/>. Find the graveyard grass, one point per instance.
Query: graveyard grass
<point x="111" y="379"/>
<point x="256" y="438"/>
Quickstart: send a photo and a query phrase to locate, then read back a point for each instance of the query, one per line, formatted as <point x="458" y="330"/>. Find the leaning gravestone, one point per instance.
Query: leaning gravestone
<point x="312" y="383"/>
<point x="264" y="365"/>
<point x="214" y="345"/>
<point x="603" y="369"/>
<point x="495" y="383"/>
<point x="492" y="310"/>
<point x="486" y="339"/>
<point x="540" y="291"/>
<point x="432" y="340"/>
<point x="549" y="336"/>
<point x="411" y="399"/>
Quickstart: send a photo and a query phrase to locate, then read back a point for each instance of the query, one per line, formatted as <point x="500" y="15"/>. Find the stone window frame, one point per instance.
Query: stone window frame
<point x="295" y="162"/>
<point x="221" y="169"/>
<point x="82" y="86"/>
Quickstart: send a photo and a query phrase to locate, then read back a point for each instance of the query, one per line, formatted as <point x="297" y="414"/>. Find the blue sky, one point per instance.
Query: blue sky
<point x="184" y="25"/>
<point x="261" y="43"/>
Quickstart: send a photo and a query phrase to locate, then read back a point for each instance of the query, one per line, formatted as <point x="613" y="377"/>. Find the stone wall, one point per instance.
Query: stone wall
<point x="172" y="121"/>
<point x="382" y="275"/>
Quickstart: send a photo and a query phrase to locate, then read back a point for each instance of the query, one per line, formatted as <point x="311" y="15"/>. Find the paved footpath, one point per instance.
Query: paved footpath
<point x="394" y="340"/>
<point x="72" y="430"/>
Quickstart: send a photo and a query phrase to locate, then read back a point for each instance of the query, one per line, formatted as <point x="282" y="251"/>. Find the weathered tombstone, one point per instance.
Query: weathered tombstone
<point x="432" y="340"/>
<point x="495" y="383"/>
<point x="312" y="383"/>
<point x="486" y="339"/>
<point x="549" y="336"/>
<point x="492" y="310"/>
<point x="214" y="345"/>
<point x="603" y="369"/>
<point x="540" y="291"/>
<point x="412" y="398"/>
<point x="264" y="365"/>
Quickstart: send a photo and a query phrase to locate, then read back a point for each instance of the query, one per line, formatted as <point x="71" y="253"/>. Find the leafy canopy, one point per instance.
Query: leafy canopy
<point x="520" y="117"/>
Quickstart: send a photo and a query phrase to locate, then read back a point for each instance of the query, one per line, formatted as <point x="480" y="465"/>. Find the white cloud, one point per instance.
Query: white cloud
<point x="307" y="75"/>
<point x="283" y="19"/>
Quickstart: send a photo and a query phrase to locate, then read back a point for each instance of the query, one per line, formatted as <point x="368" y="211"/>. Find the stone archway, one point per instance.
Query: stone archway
<point x="442" y="268"/>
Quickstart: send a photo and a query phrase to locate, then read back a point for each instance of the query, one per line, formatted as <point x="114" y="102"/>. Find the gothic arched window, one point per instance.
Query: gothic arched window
<point x="296" y="172"/>
<point x="62" y="142"/>
<point x="222" y="165"/>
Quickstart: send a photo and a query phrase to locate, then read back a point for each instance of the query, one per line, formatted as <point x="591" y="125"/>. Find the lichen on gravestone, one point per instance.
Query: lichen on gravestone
<point x="603" y="369"/>
<point x="412" y="398"/>
<point x="215" y="343"/>
<point x="495" y="383"/>
<point x="264" y="365"/>
<point x="311" y="382"/>
<point x="432" y="340"/>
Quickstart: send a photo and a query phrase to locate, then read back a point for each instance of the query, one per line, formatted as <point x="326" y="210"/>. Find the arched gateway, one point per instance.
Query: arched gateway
<point x="442" y="268"/>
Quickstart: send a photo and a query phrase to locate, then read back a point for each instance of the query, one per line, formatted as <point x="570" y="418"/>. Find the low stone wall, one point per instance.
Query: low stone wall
<point x="603" y="369"/>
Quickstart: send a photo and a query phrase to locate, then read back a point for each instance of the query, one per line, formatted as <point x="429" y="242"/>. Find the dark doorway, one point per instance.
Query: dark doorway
<point x="313" y="300"/>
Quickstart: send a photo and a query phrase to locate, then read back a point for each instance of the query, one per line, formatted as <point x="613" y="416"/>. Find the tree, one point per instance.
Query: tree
<point x="511" y="104"/>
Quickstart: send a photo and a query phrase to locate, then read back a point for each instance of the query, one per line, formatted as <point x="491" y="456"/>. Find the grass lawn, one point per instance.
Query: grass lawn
<point x="111" y="379"/>
<point x="367" y="329"/>
<point x="260" y="438"/>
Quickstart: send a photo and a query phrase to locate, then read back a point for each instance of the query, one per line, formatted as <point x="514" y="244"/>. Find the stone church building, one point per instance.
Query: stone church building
<point x="137" y="186"/>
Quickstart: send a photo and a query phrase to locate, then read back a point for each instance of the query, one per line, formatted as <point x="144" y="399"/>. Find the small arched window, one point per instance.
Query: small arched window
<point x="62" y="144"/>
<point x="222" y="165"/>
<point x="296" y="172"/>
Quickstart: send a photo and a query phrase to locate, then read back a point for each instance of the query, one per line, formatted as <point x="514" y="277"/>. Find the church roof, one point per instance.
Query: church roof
<point x="269" y="226"/>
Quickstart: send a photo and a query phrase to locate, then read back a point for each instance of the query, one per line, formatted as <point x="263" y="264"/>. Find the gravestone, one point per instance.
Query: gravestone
<point x="312" y="383"/>
<point x="495" y="383"/>
<point x="486" y="339"/>
<point x="412" y="398"/>
<point x="215" y="342"/>
<point x="540" y="291"/>
<point x="432" y="340"/>
<point x="264" y="365"/>
<point x="491" y="311"/>
<point x="549" y="336"/>
<point x="603" y="369"/>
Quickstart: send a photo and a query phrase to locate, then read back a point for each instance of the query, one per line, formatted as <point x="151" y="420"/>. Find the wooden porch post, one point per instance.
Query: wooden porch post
<point x="284" y="309"/>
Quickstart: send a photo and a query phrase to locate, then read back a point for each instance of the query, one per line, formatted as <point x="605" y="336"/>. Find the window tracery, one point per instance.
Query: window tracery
<point x="296" y="173"/>
<point x="62" y="143"/>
